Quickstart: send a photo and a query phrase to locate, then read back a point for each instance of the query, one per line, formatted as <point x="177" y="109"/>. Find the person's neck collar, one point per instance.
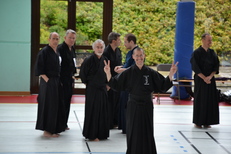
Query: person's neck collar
<point x="54" y="48"/>
<point x="206" y="48"/>
<point x="68" y="45"/>
<point x="113" y="46"/>
<point x="140" y="66"/>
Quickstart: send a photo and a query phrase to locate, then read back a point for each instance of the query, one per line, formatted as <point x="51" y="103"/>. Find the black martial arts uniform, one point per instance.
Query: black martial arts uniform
<point x="68" y="70"/>
<point x="51" y="111"/>
<point x="96" y="121"/>
<point x="124" y="94"/>
<point x="115" y="58"/>
<point x="205" y="107"/>
<point x="140" y="85"/>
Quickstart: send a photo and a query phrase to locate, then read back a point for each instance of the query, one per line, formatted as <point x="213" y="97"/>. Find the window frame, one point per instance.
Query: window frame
<point x="35" y="33"/>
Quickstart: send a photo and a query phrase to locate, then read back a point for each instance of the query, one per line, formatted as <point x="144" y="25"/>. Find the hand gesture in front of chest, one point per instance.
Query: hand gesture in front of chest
<point x="107" y="69"/>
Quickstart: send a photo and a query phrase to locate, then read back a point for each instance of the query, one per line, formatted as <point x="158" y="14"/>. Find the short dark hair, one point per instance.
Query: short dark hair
<point x="113" y="36"/>
<point x="131" y="37"/>
<point x="204" y="35"/>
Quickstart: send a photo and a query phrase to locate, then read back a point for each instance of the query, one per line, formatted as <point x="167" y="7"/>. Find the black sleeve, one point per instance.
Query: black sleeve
<point x="40" y="63"/>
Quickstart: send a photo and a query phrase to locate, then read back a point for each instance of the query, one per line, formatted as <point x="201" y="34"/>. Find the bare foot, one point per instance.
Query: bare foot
<point x="94" y="139"/>
<point x="67" y="128"/>
<point x="55" y="135"/>
<point x="47" y="134"/>
<point x="207" y="126"/>
<point x="197" y="126"/>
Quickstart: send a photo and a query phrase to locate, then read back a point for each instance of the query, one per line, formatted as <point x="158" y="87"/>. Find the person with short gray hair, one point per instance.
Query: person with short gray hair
<point x="70" y="31"/>
<point x="98" y="41"/>
<point x="68" y="68"/>
<point x="91" y="73"/>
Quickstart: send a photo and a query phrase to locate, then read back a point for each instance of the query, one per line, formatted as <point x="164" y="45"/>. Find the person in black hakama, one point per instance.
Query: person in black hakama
<point x="51" y="112"/>
<point x="205" y="64"/>
<point x="113" y="53"/>
<point x="96" y="120"/>
<point x="141" y="81"/>
<point x="129" y="43"/>
<point x="68" y="68"/>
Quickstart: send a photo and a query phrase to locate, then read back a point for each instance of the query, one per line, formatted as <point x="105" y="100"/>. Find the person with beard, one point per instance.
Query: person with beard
<point x="96" y="120"/>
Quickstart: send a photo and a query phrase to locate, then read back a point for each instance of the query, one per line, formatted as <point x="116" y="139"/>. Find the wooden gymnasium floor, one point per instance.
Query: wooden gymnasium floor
<point x="173" y="129"/>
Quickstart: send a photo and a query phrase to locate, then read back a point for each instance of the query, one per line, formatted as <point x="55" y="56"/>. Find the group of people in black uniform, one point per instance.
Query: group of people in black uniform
<point x="117" y="96"/>
<point x="56" y="66"/>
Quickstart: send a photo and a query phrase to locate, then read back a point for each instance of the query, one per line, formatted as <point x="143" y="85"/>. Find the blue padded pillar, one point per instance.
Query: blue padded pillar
<point x="184" y="39"/>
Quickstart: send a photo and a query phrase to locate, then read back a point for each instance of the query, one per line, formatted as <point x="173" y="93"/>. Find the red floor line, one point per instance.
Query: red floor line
<point x="80" y="99"/>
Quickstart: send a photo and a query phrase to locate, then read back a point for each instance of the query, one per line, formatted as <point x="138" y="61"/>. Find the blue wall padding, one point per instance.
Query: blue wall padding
<point x="184" y="39"/>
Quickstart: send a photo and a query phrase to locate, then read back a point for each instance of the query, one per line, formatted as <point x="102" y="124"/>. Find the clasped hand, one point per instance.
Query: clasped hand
<point x="207" y="79"/>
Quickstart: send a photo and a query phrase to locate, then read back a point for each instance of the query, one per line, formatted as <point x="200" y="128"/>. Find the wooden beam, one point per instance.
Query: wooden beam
<point x="35" y="39"/>
<point x="107" y="19"/>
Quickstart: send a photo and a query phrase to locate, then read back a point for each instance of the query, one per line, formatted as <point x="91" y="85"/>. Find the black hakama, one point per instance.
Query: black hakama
<point x="115" y="58"/>
<point x="96" y="121"/>
<point x="68" y="70"/>
<point x="51" y="111"/>
<point x="123" y="99"/>
<point x="140" y="85"/>
<point x="206" y="101"/>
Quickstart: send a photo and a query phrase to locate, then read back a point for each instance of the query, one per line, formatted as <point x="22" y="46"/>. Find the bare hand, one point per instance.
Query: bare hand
<point x="45" y="78"/>
<point x="207" y="79"/>
<point x="120" y="70"/>
<point x="173" y="69"/>
<point x="107" y="69"/>
<point x="108" y="88"/>
<point x="117" y="68"/>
